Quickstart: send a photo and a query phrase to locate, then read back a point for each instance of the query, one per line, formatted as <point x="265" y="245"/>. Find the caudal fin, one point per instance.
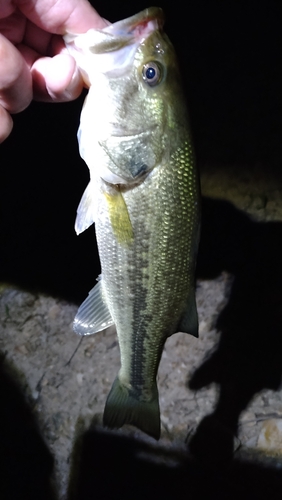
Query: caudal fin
<point x="122" y="407"/>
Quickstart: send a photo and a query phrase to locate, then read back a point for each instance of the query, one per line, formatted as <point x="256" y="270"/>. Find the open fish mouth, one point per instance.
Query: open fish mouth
<point x="135" y="25"/>
<point x="107" y="43"/>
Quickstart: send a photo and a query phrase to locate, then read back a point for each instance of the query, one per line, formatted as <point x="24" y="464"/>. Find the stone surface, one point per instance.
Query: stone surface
<point x="270" y="436"/>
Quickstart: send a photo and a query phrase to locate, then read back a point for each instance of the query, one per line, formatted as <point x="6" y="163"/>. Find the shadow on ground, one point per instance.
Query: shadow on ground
<point x="25" y="462"/>
<point x="108" y="465"/>
<point x="249" y="354"/>
<point x="112" y="465"/>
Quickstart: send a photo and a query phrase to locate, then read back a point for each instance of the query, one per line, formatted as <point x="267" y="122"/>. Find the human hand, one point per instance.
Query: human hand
<point x="34" y="63"/>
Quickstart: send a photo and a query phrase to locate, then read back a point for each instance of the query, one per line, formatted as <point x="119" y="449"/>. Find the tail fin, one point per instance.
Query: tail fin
<point x="123" y="407"/>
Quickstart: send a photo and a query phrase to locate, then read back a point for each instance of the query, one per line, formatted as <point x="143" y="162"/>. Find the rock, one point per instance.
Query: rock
<point x="270" y="437"/>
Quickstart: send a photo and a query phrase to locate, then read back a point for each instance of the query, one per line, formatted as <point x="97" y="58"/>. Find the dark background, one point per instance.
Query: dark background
<point x="229" y="57"/>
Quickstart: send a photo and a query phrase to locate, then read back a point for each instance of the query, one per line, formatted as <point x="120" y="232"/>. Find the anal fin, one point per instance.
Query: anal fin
<point x="93" y="315"/>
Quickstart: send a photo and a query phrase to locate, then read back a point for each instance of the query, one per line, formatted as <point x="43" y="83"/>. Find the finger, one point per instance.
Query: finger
<point x="13" y="26"/>
<point x="15" y="78"/>
<point x="61" y="16"/>
<point x="7" y="8"/>
<point x="56" y="79"/>
<point x="43" y="43"/>
<point x="37" y="38"/>
<point x="6" y="124"/>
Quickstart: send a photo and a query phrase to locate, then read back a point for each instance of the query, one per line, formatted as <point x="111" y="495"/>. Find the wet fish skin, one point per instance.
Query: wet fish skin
<point x="147" y="223"/>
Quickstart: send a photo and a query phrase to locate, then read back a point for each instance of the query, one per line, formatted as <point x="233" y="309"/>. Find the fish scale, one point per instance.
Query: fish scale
<point x="144" y="198"/>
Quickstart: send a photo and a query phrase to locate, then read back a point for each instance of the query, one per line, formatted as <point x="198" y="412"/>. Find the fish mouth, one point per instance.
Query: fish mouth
<point x="139" y="25"/>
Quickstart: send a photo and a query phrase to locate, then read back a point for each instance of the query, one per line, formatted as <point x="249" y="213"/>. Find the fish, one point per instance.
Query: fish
<point x="144" y="198"/>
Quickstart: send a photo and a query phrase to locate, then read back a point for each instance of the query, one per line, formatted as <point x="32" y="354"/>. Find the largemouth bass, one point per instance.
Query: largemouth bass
<point x="143" y="196"/>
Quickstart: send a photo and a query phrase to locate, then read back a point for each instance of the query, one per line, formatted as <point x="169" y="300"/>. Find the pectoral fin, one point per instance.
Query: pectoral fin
<point x="119" y="216"/>
<point x="86" y="209"/>
<point x="189" y="322"/>
<point x="93" y="314"/>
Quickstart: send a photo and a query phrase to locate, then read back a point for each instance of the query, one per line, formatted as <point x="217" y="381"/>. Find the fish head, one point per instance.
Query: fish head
<point x="130" y="67"/>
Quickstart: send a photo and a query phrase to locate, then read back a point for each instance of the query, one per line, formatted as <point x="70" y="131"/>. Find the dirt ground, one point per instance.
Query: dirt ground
<point x="65" y="380"/>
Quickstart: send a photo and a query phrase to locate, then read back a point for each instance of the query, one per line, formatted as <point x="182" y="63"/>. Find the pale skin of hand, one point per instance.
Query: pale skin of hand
<point x="34" y="63"/>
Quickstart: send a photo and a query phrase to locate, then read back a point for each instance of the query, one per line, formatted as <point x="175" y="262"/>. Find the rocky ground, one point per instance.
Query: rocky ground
<point x="65" y="380"/>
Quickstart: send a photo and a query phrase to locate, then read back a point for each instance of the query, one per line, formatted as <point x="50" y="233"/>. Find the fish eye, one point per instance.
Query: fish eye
<point x="152" y="73"/>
